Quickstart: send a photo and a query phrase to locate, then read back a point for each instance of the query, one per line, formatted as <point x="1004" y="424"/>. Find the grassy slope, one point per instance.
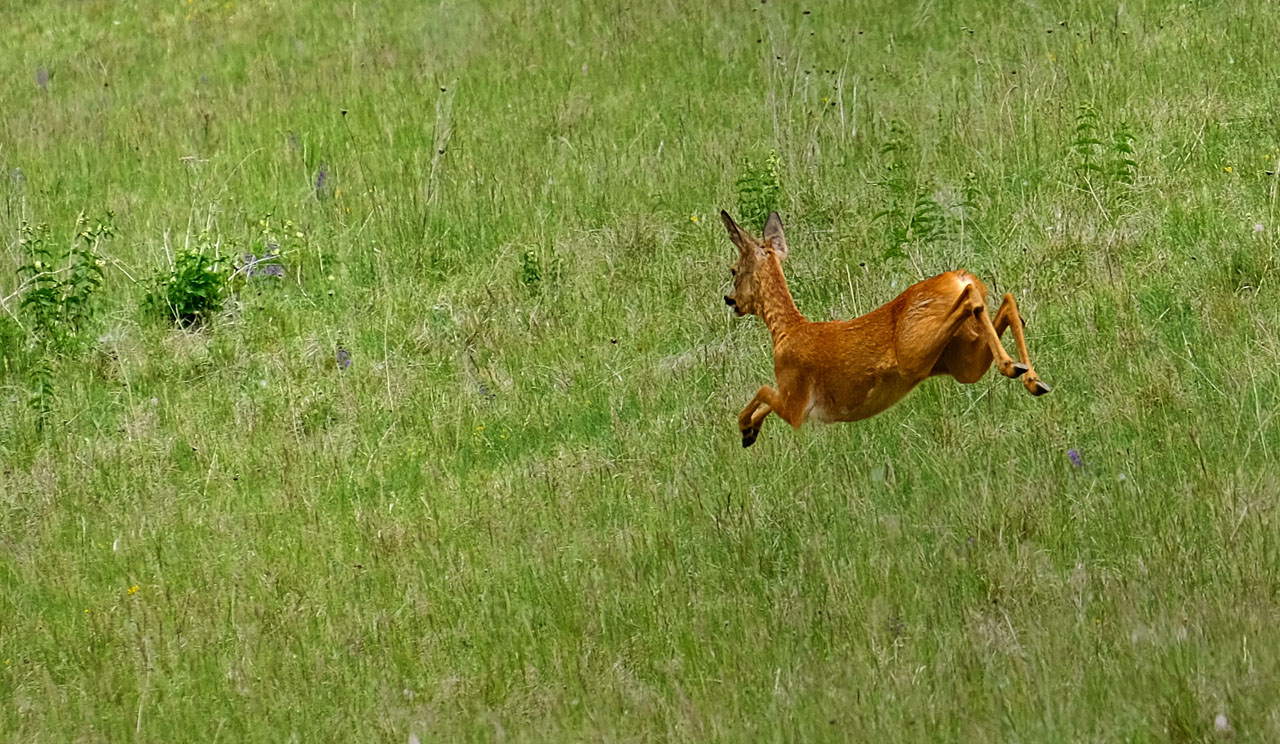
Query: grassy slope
<point x="524" y="510"/>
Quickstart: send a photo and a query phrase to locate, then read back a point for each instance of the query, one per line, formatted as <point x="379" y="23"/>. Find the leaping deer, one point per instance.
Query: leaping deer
<point x="849" y="370"/>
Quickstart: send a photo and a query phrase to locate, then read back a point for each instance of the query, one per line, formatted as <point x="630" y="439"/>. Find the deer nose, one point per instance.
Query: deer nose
<point x="729" y="301"/>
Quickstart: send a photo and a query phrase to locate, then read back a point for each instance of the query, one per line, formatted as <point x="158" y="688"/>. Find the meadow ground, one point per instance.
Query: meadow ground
<point x="470" y="469"/>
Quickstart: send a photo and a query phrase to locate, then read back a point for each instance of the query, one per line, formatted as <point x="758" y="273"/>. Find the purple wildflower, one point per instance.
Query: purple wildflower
<point x="42" y="78"/>
<point x="1075" y="458"/>
<point x="343" y="358"/>
<point x="322" y="176"/>
<point x="256" y="267"/>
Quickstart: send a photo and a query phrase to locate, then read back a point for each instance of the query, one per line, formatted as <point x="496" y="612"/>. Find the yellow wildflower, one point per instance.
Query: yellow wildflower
<point x="1227" y="169"/>
<point x="133" y="589"/>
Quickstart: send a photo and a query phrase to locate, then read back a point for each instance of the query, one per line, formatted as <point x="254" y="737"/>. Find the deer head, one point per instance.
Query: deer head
<point x="746" y="297"/>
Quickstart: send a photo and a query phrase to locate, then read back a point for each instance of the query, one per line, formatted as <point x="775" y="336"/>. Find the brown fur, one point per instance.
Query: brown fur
<point x="849" y="370"/>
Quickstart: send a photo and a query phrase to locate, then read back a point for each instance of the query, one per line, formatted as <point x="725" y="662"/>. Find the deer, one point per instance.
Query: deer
<point x="849" y="370"/>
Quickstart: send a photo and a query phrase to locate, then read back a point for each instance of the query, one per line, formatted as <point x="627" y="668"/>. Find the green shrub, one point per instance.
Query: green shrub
<point x="1105" y="169"/>
<point x="62" y="283"/>
<point x="912" y="216"/>
<point x="59" y="299"/>
<point x="195" y="288"/>
<point x="759" y="191"/>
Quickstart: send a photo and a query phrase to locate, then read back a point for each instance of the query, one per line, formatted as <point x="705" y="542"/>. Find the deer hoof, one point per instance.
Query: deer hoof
<point x="1018" y="369"/>
<point x="1038" y="388"/>
<point x="749" y="438"/>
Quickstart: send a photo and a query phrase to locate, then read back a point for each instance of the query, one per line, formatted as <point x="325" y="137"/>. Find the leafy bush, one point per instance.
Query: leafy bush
<point x="58" y="303"/>
<point x="195" y="288"/>
<point x="912" y="216"/>
<point x="62" y="282"/>
<point x="537" y="272"/>
<point x="530" y="269"/>
<point x="759" y="191"/>
<point x="1107" y="170"/>
<point x="1086" y="146"/>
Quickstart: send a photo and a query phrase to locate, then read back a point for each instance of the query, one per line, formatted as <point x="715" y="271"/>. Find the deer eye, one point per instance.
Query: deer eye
<point x="733" y="272"/>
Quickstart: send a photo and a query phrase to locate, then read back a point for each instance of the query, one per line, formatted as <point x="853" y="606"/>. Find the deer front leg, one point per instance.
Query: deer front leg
<point x="1008" y="315"/>
<point x="767" y="400"/>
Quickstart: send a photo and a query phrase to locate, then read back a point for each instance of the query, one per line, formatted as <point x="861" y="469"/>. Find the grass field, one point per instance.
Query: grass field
<point x="470" y="470"/>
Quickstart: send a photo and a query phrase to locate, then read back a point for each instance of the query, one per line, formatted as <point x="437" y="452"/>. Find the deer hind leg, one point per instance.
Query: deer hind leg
<point x="1008" y="315"/>
<point x="970" y="353"/>
<point x="966" y="358"/>
<point x="949" y="344"/>
<point x="991" y="336"/>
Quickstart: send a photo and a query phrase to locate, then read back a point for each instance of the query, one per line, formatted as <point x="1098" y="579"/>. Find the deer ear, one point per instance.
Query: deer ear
<point x="773" y="235"/>
<point x="739" y="238"/>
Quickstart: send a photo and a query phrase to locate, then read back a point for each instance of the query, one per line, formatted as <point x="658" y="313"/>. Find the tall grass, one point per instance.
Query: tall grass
<point x="469" y="469"/>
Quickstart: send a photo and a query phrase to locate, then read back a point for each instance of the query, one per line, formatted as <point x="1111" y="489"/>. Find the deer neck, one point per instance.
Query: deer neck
<point x="777" y="309"/>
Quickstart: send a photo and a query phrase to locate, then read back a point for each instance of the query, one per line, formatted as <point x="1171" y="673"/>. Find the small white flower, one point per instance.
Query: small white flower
<point x="1220" y="723"/>
<point x="1257" y="227"/>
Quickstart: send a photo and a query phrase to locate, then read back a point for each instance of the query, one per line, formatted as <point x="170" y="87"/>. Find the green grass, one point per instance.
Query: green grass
<point x="523" y="511"/>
